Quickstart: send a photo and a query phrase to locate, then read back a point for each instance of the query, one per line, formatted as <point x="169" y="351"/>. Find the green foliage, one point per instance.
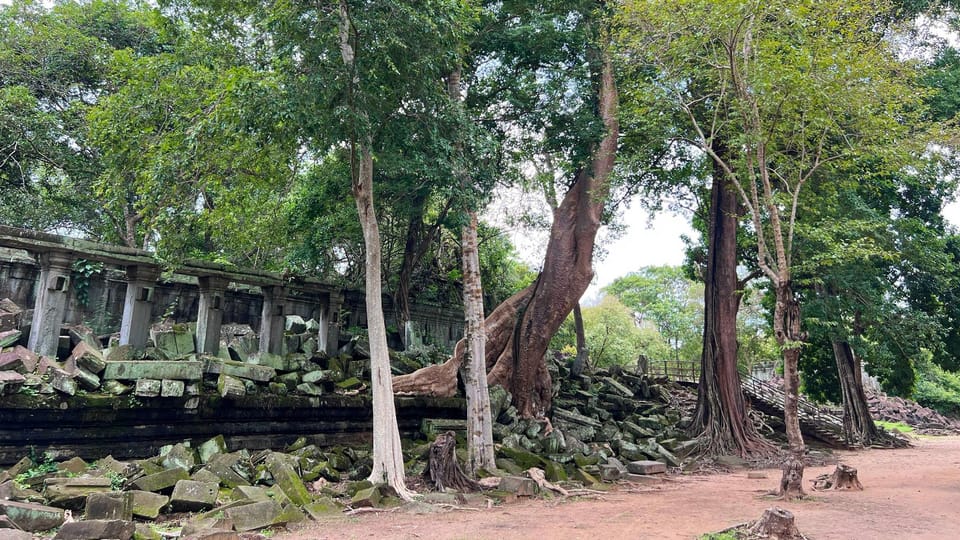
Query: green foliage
<point x="664" y="297"/>
<point x="83" y="271"/>
<point x="937" y="388"/>
<point x="612" y="335"/>
<point x="42" y="465"/>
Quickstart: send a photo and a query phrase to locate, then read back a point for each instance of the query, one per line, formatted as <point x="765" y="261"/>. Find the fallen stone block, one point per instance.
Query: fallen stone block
<point x="146" y="532"/>
<point x="278" y="362"/>
<point x="9" y="338"/>
<point x="242" y="370"/>
<point x="17" y="469"/>
<point x="161" y="481"/>
<point x="96" y="529"/>
<point x="191" y="496"/>
<point x="72" y="492"/>
<point x="310" y="389"/>
<point x="147" y="504"/>
<point x="180" y="456"/>
<point x="173" y="342"/>
<point x="212" y="447"/>
<point x="75" y="465"/>
<point x="225" y="466"/>
<point x="19" y="359"/>
<point x="610" y="473"/>
<point x="148" y="388"/>
<point x="522" y="487"/>
<point x="289" y="481"/>
<point x="323" y="506"/>
<point x="86" y="380"/>
<point x="295" y="324"/>
<point x="32" y="517"/>
<point x="320" y="375"/>
<point x="154" y="369"/>
<point x="10" y="382"/>
<point x="14" y="534"/>
<point x="215" y="534"/>
<point x="89" y="357"/>
<point x="110" y="506"/>
<point x="647" y="467"/>
<point x="367" y="497"/>
<point x="171" y="388"/>
<point x="254" y="516"/>
<point x="63" y="381"/>
<point x="228" y="386"/>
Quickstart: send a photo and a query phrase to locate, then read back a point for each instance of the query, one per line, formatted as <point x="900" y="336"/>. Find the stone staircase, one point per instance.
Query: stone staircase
<point x="814" y="421"/>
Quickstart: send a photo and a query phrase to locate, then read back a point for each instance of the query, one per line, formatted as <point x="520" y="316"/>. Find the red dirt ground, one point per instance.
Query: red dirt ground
<point x="912" y="493"/>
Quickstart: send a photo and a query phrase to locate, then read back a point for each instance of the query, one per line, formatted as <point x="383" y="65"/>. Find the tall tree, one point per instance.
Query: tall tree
<point x="519" y="330"/>
<point x="802" y="92"/>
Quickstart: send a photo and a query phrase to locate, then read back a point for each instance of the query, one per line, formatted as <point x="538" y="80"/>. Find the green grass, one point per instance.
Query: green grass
<point x="890" y="426"/>
<point x="730" y="535"/>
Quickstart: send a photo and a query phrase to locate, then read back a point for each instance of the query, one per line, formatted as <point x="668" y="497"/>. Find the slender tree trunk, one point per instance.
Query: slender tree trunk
<point x="418" y="240"/>
<point x="786" y="324"/>
<point x="858" y="426"/>
<point x="479" y="422"/>
<point x="520" y="328"/>
<point x="387" y="454"/>
<point x="580" y="363"/>
<point x="721" y="418"/>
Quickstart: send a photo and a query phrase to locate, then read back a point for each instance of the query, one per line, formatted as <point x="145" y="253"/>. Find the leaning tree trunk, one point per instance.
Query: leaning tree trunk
<point x="721" y="414"/>
<point x="858" y="426"/>
<point x="519" y="330"/>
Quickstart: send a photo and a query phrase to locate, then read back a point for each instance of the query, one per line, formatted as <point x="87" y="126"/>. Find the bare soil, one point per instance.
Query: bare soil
<point x="913" y="493"/>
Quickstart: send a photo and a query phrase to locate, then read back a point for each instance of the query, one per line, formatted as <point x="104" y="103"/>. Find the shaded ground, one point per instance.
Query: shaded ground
<point x="912" y="493"/>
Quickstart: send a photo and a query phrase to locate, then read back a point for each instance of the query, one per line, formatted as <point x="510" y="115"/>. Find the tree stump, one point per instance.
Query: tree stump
<point x="445" y="472"/>
<point x="777" y="524"/>
<point x="791" y="482"/>
<point x="843" y="477"/>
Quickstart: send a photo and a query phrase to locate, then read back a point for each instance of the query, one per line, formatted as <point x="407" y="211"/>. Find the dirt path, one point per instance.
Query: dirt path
<point x="909" y="494"/>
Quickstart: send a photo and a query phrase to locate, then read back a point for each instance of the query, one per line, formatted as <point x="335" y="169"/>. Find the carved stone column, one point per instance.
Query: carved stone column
<point x="51" y="304"/>
<point x="210" y="314"/>
<point x="138" y="305"/>
<point x="272" y="320"/>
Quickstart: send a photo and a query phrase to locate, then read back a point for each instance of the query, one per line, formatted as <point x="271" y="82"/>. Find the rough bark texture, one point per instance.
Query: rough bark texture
<point x="858" y="426"/>
<point x="844" y="477"/>
<point x="786" y="328"/>
<point x="791" y="481"/>
<point x="521" y="327"/>
<point x="479" y="423"/>
<point x="721" y="418"/>
<point x="776" y="524"/>
<point x="444" y="469"/>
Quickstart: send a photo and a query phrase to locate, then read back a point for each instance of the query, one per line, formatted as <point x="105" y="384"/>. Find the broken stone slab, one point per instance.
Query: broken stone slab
<point x="218" y="534"/>
<point x="576" y="418"/>
<point x="11" y="382"/>
<point x="522" y="487"/>
<point x="74" y="465"/>
<point x="610" y="473"/>
<point x="321" y="375"/>
<point x="13" y="534"/>
<point x="617" y="387"/>
<point x="32" y="517"/>
<point x="162" y="480"/>
<point x="212" y="447"/>
<point x="89" y="357"/>
<point x="225" y="466"/>
<point x="191" y="496"/>
<point x="171" y="388"/>
<point x="278" y="362"/>
<point x="184" y="370"/>
<point x="146" y="532"/>
<point x="120" y="353"/>
<point x="148" y="387"/>
<point x="17" y="469"/>
<point x="289" y="481"/>
<point x="295" y="324"/>
<point x="179" y="455"/>
<point x="254" y="516"/>
<point x="19" y="359"/>
<point x="86" y="380"/>
<point x="116" y="505"/>
<point x="173" y="342"/>
<point x="242" y="370"/>
<point x="63" y="381"/>
<point x="147" y="504"/>
<point x="96" y="529"/>
<point x="72" y="492"/>
<point x="228" y="386"/>
<point x="9" y="337"/>
<point x="323" y="506"/>
<point x="367" y="497"/>
<point x="310" y="389"/>
<point x="258" y="494"/>
<point x="115" y="388"/>
<point x="647" y="467"/>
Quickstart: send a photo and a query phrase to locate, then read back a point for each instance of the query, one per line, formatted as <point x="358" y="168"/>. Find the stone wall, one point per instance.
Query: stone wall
<point x="178" y="298"/>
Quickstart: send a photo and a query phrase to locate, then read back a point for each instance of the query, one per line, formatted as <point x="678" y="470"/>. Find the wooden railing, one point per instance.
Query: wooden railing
<point x="675" y="370"/>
